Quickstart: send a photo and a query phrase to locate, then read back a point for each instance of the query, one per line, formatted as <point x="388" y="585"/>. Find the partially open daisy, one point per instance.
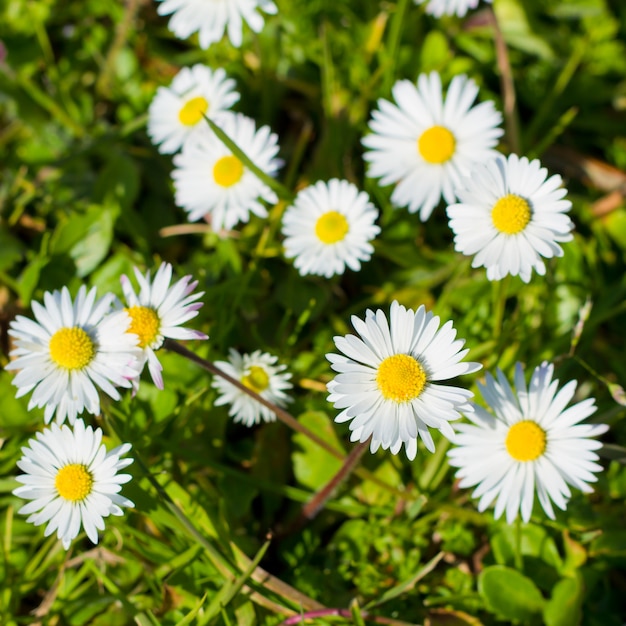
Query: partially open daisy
<point x="426" y="143"/>
<point x="72" y="349"/>
<point x="211" y="181"/>
<point x="210" y="19"/>
<point x="438" y="8"/>
<point x="531" y="442"/>
<point x="178" y="111"/>
<point x="72" y="480"/>
<point x="330" y="225"/>
<point x="511" y="214"/>
<point x="257" y="371"/>
<point x="158" y="311"/>
<point x="387" y="379"/>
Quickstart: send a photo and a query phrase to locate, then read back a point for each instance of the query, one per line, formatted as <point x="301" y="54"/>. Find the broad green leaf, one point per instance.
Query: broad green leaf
<point x="312" y="465"/>
<point x="563" y="608"/>
<point x="509" y="594"/>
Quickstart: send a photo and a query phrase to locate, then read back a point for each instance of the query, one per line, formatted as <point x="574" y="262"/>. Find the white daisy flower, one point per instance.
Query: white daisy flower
<point x="387" y="379"/>
<point x="72" y="480"/>
<point x="257" y="371"/>
<point x="330" y="225"/>
<point x="158" y="311"/>
<point x="531" y="442"/>
<point x="510" y="215"/>
<point x="176" y="112"/>
<point x="211" y="181"/>
<point x="212" y="18"/>
<point x="72" y="349"/>
<point x="438" y="8"/>
<point x="426" y="144"/>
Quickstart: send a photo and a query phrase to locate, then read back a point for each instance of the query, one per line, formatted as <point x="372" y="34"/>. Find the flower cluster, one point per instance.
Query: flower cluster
<point x="73" y="351"/>
<point x="431" y="144"/>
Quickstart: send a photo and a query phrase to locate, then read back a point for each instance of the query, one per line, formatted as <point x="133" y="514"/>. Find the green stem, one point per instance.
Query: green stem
<point x="519" y="559"/>
<point x="499" y="292"/>
<point x="393" y="45"/>
<point x="280" y="190"/>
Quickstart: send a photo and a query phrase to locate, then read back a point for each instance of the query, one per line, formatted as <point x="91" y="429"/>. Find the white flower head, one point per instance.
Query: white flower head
<point x="330" y="225"/>
<point x="438" y="8"/>
<point x="158" y="311"/>
<point x="531" y="442"/>
<point x="257" y="371"/>
<point x="510" y="215"/>
<point x="211" y="18"/>
<point x="387" y="381"/>
<point x="211" y="181"/>
<point x="425" y="144"/>
<point x="72" y="349"/>
<point x="177" y="112"/>
<point x="72" y="480"/>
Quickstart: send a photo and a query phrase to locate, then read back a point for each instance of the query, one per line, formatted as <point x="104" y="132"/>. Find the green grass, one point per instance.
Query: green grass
<point x="216" y="537"/>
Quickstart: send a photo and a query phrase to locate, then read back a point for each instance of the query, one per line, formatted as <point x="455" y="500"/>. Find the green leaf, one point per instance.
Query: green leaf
<point x="563" y="608"/>
<point x="509" y="594"/>
<point x="313" y="466"/>
<point x="86" y="238"/>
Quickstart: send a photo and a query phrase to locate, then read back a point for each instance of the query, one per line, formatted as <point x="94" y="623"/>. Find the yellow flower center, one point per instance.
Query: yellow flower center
<point x="71" y="348"/>
<point x="400" y="378"/>
<point x="74" y="482"/>
<point x="227" y="171"/>
<point x="331" y="227"/>
<point x="193" y="110"/>
<point x="511" y="214"/>
<point x="526" y="441"/>
<point x="145" y="323"/>
<point x="436" y="145"/>
<point x="257" y="379"/>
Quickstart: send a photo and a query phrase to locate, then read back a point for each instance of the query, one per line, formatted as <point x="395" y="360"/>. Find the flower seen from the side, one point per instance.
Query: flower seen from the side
<point x="259" y="372"/>
<point x="212" y="182"/>
<point x="530" y="441"/>
<point x="387" y="381"/>
<point x="177" y="111"/>
<point x="158" y="311"/>
<point x="72" y="481"/>
<point x="425" y="143"/>
<point x="438" y="8"/>
<point x="330" y="225"/>
<point x="70" y="350"/>
<point x="211" y="18"/>
<point x="510" y="215"/>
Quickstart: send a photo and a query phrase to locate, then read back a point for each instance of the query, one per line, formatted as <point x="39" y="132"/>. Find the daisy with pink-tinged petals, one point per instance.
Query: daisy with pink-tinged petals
<point x="69" y="351"/>
<point x="158" y="311"/>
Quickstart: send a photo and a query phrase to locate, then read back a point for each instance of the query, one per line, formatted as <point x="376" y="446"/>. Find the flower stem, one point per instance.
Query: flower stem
<point x="280" y="413"/>
<point x="316" y="503"/>
<point x="508" y="87"/>
<point x="519" y="559"/>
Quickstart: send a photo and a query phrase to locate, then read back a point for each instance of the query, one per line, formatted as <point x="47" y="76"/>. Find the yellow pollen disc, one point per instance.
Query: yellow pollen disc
<point x="331" y="227"/>
<point x="526" y="441"/>
<point x="257" y="379"/>
<point x="71" y="348"/>
<point x="192" y="111"/>
<point x="74" y="482"/>
<point x="227" y="171"/>
<point x="436" y="145"/>
<point x="400" y="378"/>
<point x="145" y="323"/>
<point x="511" y="214"/>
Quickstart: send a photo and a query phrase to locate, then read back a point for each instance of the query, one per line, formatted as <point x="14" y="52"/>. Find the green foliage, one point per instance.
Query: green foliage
<point x="85" y="197"/>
